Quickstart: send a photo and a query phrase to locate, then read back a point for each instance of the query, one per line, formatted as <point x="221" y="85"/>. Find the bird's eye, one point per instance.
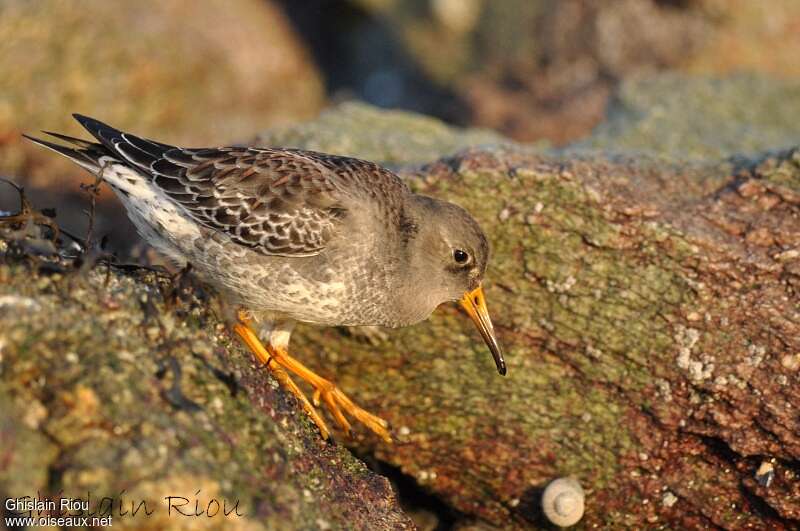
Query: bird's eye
<point x="461" y="257"/>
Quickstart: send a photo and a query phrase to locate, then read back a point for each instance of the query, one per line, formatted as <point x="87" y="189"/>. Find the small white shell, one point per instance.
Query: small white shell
<point x="562" y="502"/>
<point x="765" y="474"/>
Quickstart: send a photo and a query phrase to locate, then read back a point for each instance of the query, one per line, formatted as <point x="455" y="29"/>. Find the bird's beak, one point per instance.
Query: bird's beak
<point x="475" y="304"/>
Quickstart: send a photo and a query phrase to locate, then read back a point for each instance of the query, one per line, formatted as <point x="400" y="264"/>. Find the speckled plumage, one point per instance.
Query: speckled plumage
<point x="287" y="233"/>
<point x="290" y="235"/>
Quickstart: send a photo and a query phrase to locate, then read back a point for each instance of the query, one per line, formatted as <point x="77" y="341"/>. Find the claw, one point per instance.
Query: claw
<point x="336" y="400"/>
<point x="333" y="407"/>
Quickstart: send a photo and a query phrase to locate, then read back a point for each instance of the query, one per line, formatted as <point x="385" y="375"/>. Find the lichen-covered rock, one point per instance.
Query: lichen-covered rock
<point x="650" y="318"/>
<point x="649" y="310"/>
<point x="648" y="306"/>
<point x="106" y="390"/>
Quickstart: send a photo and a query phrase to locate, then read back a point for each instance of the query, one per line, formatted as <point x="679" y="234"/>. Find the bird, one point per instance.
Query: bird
<point x="291" y="236"/>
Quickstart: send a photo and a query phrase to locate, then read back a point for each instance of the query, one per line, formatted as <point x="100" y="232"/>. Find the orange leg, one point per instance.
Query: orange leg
<point x="266" y="359"/>
<point x="335" y="400"/>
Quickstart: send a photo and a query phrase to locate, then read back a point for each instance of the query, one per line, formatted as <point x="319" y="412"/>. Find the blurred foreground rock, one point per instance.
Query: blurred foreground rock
<point x="648" y="307"/>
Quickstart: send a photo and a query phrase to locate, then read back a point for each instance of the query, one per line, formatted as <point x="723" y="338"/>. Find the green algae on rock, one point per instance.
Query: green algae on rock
<point x="627" y="292"/>
<point x="106" y="391"/>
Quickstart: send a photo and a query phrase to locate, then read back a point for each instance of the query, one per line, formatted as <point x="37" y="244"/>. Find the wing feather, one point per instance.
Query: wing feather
<point x="277" y="201"/>
<point x="265" y="199"/>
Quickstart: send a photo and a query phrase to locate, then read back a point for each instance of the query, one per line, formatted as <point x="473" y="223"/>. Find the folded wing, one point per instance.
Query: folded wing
<point x="276" y="201"/>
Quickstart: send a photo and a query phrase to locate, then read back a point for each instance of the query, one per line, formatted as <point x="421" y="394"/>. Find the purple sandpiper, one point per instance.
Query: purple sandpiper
<point x="287" y="236"/>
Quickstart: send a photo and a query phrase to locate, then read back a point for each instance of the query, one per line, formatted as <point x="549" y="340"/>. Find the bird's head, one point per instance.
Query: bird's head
<point x="449" y="254"/>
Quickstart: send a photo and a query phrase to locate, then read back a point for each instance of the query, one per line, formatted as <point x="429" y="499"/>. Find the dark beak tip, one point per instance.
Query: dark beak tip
<point x="501" y="365"/>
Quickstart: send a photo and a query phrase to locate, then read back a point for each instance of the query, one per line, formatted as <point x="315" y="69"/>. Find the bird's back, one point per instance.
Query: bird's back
<point x="285" y="230"/>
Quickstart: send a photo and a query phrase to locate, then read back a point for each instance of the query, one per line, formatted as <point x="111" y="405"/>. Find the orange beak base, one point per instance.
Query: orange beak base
<point x="474" y="303"/>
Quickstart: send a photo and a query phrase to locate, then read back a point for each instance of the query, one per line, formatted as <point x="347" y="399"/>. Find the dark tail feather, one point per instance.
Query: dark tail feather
<point x="107" y="135"/>
<point x="123" y="147"/>
<point x="87" y="157"/>
<point x="72" y="140"/>
<point x="140" y="151"/>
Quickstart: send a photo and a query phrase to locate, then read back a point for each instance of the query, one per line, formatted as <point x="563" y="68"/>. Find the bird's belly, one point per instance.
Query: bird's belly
<point x="271" y="284"/>
<point x="307" y="300"/>
<point x="316" y="290"/>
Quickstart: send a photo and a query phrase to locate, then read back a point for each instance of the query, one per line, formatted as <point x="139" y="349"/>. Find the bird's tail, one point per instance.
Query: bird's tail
<point x="83" y="153"/>
<point x="113" y="145"/>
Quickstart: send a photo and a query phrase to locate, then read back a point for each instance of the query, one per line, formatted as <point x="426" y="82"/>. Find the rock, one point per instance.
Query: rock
<point x="537" y="69"/>
<point x="391" y="137"/>
<point x="640" y="246"/>
<point x="107" y="390"/>
<point x="532" y="69"/>
<point x="646" y="303"/>
<point x="229" y="68"/>
<point x="550" y="76"/>
<point x="609" y="269"/>
<point x="701" y="117"/>
<point x="748" y="36"/>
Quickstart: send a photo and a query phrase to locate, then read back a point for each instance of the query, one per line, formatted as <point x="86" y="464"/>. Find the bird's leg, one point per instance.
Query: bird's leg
<point x="243" y="330"/>
<point x="335" y="400"/>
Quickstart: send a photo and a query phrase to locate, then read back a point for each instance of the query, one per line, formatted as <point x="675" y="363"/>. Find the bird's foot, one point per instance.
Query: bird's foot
<point x="336" y="401"/>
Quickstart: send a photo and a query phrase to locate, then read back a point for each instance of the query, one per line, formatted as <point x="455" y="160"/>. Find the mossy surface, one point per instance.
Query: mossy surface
<point x="579" y="323"/>
<point x="603" y="264"/>
<point x="108" y="392"/>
